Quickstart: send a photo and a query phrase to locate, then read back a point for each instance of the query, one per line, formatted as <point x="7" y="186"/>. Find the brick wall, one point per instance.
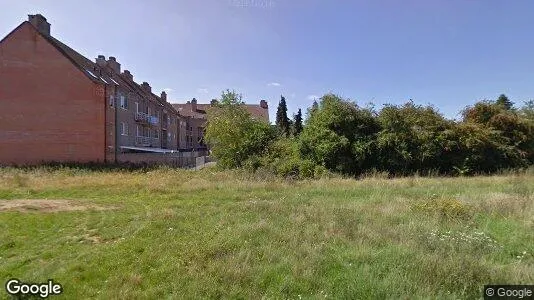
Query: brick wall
<point x="50" y="111"/>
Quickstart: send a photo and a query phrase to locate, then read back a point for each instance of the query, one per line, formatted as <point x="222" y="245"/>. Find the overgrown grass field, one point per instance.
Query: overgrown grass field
<point x="212" y="234"/>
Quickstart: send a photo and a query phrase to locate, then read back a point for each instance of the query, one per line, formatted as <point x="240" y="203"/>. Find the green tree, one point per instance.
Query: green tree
<point x="504" y="102"/>
<point x="297" y="123"/>
<point x="413" y="138"/>
<point x="527" y="111"/>
<point x="311" y="109"/>
<point x="514" y="146"/>
<point x="282" y="121"/>
<point x="340" y="136"/>
<point x="232" y="134"/>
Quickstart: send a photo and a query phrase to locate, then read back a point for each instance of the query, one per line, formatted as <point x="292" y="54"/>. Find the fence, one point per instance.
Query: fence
<point x="177" y="160"/>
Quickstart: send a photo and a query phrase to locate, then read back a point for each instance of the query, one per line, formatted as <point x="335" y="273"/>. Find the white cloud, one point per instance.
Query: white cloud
<point x="202" y="91"/>
<point x="293" y="95"/>
<point x="313" y="97"/>
<point x="273" y="84"/>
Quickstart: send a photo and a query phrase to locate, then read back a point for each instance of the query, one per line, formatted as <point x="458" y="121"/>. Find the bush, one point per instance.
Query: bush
<point x="339" y="135"/>
<point x="233" y="135"/>
<point x="413" y="139"/>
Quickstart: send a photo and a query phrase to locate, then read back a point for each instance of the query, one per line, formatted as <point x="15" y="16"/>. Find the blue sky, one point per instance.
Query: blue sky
<point x="449" y="53"/>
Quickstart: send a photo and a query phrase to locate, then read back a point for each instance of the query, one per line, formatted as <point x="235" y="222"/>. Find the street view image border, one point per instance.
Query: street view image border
<point x="112" y="189"/>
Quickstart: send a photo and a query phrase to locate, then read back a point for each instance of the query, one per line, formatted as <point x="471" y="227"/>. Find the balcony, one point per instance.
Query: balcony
<point x="143" y="141"/>
<point x="142" y="117"/>
<point x="145" y="118"/>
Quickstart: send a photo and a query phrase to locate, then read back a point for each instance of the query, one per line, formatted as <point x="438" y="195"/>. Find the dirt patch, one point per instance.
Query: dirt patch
<point x="46" y="205"/>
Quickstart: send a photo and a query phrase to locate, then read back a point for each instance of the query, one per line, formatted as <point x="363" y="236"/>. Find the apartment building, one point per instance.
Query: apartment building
<point x="58" y="105"/>
<point x="195" y="117"/>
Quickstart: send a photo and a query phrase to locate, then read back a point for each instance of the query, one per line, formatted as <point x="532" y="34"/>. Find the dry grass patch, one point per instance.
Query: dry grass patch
<point x="500" y="203"/>
<point x="46" y="205"/>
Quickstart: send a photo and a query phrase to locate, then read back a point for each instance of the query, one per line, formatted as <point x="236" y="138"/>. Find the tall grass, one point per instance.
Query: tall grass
<point x="230" y="234"/>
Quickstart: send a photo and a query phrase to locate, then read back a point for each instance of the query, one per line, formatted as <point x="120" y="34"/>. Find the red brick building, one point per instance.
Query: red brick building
<point x="57" y="105"/>
<point x="195" y="115"/>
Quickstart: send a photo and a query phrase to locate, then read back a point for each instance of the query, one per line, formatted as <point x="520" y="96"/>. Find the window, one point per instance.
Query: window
<point x="124" y="128"/>
<point x="136" y="107"/>
<point x="124" y="102"/>
<point x="156" y="134"/>
<point x="111" y="100"/>
<point x="139" y="130"/>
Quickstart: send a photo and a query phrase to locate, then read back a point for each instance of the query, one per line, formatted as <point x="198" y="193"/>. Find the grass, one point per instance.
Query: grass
<point x="210" y="234"/>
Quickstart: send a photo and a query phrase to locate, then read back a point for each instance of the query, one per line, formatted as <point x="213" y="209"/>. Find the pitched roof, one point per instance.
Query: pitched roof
<point x="185" y="109"/>
<point x="94" y="72"/>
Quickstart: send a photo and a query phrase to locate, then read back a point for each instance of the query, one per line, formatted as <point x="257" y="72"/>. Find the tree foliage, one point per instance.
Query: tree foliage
<point x="340" y="136"/>
<point x="232" y="134"/>
<point x="413" y="138"/>
<point x="504" y="102"/>
<point x="297" y="123"/>
<point x="282" y="121"/>
<point x="527" y="111"/>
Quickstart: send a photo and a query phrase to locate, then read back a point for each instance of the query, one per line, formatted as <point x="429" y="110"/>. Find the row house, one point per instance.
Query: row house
<point x="57" y="105"/>
<point x="195" y="118"/>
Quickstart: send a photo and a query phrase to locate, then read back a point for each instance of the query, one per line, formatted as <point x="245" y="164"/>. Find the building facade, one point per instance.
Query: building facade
<point x="59" y="106"/>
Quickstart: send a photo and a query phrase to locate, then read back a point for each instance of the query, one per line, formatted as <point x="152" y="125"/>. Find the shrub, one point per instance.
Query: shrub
<point x="449" y="209"/>
<point x="233" y="135"/>
<point x="339" y="135"/>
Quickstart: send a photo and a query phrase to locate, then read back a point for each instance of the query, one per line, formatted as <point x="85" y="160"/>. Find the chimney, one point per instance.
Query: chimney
<point x="101" y="61"/>
<point x="128" y="75"/>
<point x="214" y="102"/>
<point x="39" y="22"/>
<point x="263" y="104"/>
<point x="164" y="96"/>
<point x="114" y="65"/>
<point x="146" y="87"/>
<point x="194" y="104"/>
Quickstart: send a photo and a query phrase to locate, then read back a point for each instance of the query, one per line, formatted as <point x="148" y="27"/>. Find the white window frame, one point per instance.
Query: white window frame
<point x="124" y="128"/>
<point x="124" y="102"/>
<point x="111" y="101"/>
<point x="137" y="107"/>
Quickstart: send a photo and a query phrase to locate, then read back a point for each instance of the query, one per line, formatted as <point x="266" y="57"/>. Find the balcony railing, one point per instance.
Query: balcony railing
<point x="143" y="141"/>
<point x="146" y="141"/>
<point x="146" y="118"/>
<point x="142" y="117"/>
